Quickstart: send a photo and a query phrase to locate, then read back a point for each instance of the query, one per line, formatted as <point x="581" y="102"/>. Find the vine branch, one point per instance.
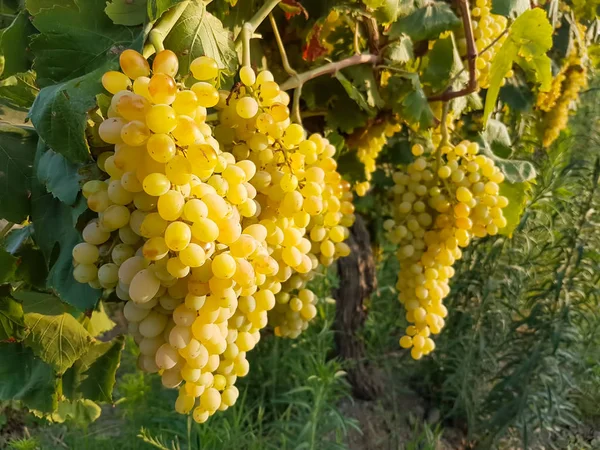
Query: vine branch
<point x="471" y="86"/>
<point x="294" y="81"/>
<point x="158" y="34"/>
<point x="284" y="59"/>
<point x="250" y="27"/>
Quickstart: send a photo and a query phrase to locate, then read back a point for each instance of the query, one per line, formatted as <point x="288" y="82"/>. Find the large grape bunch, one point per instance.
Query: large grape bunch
<point x="565" y="90"/>
<point x="195" y="240"/>
<point x="441" y="202"/>
<point x="305" y="205"/>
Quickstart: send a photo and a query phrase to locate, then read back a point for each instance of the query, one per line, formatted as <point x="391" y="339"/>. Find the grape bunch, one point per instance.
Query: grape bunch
<point x="304" y="204"/>
<point x="557" y="103"/>
<point x="488" y="31"/>
<point x="440" y="204"/>
<point x="203" y="231"/>
<point x="368" y="143"/>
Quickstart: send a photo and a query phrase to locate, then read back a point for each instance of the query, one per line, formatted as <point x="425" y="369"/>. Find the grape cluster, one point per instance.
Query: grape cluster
<point x="440" y="203"/>
<point x="171" y="216"/>
<point x="304" y="204"/>
<point x="198" y="229"/>
<point x="487" y="29"/>
<point x="368" y="143"/>
<point x="556" y="103"/>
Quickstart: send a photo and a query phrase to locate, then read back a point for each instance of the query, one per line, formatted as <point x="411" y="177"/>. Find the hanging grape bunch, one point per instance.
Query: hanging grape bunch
<point x="205" y="239"/>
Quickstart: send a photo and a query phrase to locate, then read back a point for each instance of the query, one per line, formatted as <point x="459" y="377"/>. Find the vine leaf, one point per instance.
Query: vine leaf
<point x="157" y="8"/>
<point x="28" y="379"/>
<point x="425" y="23"/>
<point x="14" y="45"/>
<point x="400" y="51"/>
<point x="8" y="267"/>
<point x="93" y="376"/>
<point x="443" y="63"/>
<point x="529" y="38"/>
<point x="126" y="12"/>
<point x="359" y="83"/>
<point x="99" y="322"/>
<point x="59" y="176"/>
<point x="80" y="411"/>
<point x="12" y="324"/>
<point x="510" y="8"/>
<point x="17" y="151"/>
<point x="199" y="33"/>
<point x="56" y="234"/>
<point x="515" y="171"/>
<point x="59" y="114"/>
<point x="19" y="91"/>
<point x="518" y="194"/>
<point x="36" y="6"/>
<point x="409" y="100"/>
<point x="42" y="303"/>
<point x="76" y="41"/>
<point x="57" y="339"/>
<point x="497" y="136"/>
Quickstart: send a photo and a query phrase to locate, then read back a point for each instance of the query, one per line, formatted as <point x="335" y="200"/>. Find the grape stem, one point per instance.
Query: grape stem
<point x="159" y="33"/>
<point x="356" y="43"/>
<point x="284" y="58"/>
<point x="444" y="141"/>
<point x="449" y="94"/>
<point x="250" y="27"/>
<point x="294" y="81"/>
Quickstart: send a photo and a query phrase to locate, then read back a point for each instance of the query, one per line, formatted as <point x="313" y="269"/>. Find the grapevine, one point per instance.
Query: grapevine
<point x="172" y="169"/>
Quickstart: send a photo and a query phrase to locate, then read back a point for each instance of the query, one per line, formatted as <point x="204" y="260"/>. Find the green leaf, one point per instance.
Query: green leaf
<point x="80" y="412"/>
<point x="8" y="267"/>
<point x="518" y="195"/>
<point x="510" y="8"/>
<point x="59" y="176"/>
<point x="12" y="325"/>
<point x="99" y="322"/>
<point x="345" y="114"/>
<point x="14" y="45"/>
<point x="389" y="11"/>
<point x="409" y="100"/>
<point x="18" y="91"/>
<point x="126" y="12"/>
<point x="514" y="170"/>
<point x="17" y="150"/>
<point x="157" y="8"/>
<point x="518" y="96"/>
<point x="31" y="267"/>
<point x="93" y="376"/>
<point x="59" y="114"/>
<point x="37" y="6"/>
<point x="443" y="63"/>
<point x="16" y="238"/>
<point x="361" y="87"/>
<point x="74" y="42"/>
<point x="28" y="379"/>
<point x="496" y="135"/>
<point x="58" y="339"/>
<point x="42" y="303"/>
<point x="425" y="23"/>
<point x="400" y="51"/>
<point x="200" y="33"/>
<point x="529" y="38"/>
<point x="55" y="227"/>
